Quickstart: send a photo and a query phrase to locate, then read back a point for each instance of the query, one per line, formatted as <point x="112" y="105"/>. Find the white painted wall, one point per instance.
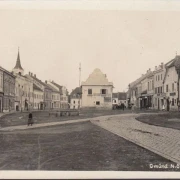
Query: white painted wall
<point x="90" y="100"/>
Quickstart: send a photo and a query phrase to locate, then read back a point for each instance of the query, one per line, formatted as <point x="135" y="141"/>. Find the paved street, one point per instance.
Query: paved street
<point x="163" y="141"/>
<point x="77" y="146"/>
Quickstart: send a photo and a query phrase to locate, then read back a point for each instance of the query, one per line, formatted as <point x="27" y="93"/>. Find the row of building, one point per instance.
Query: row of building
<point x="158" y="88"/>
<point x="19" y="91"/>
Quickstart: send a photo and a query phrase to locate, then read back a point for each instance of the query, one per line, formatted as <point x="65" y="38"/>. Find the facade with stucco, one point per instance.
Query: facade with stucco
<point x="97" y="91"/>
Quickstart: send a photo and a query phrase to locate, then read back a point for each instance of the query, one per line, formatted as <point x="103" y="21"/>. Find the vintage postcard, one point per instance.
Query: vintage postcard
<point x="89" y="89"/>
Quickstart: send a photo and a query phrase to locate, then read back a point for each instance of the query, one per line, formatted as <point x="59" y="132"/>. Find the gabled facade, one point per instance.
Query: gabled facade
<point x="97" y="91"/>
<point x="170" y="85"/>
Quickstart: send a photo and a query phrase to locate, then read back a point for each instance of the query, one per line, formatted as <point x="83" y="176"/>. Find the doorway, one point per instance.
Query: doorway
<point x="158" y="104"/>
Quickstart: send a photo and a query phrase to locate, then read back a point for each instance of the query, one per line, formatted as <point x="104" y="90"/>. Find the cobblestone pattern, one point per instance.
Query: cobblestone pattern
<point x="160" y="140"/>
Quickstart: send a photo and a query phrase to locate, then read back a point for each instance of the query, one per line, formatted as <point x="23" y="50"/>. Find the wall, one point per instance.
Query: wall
<point x="90" y="100"/>
<point x="9" y="92"/>
<point x="38" y="98"/>
<point x="55" y="104"/>
<point x="75" y="103"/>
<point x="23" y="92"/>
<point x="171" y="78"/>
<point x="158" y="99"/>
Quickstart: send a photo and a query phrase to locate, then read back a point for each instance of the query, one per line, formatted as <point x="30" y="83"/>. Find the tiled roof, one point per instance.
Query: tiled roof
<point x="115" y="95"/>
<point x="10" y="73"/>
<point x="76" y="92"/>
<point x="52" y="88"/>
<point x="37" y="88"/>
<point x="57" y="85"/>
<point x="122" y="96"/>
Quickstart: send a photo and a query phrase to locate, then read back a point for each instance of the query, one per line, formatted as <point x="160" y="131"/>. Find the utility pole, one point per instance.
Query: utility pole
<point x="79" y="74"/>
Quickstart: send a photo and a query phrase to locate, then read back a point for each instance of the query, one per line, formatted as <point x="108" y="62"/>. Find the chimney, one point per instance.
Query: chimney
<point x="29" y="73"/>
<point x="155" y="67"/>
<point x="35" y="75"/>
<point x="46" y="81"/>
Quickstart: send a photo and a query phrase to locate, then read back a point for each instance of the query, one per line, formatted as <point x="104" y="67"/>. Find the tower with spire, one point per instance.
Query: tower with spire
<point x="18" y="68"/>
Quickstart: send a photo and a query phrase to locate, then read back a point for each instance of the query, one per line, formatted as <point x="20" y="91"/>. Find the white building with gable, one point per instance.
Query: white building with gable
<point x="97" y="91"/>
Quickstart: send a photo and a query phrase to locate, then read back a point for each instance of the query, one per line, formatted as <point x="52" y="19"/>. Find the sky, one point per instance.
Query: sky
<point x="124" y="44"/>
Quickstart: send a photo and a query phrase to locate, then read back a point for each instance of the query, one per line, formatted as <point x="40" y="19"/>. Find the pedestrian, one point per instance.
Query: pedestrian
<point x="132" y="108"/>
<point x="30" y="119"/>
<point x="123" y="106"/>
<point x="163" y="107"/>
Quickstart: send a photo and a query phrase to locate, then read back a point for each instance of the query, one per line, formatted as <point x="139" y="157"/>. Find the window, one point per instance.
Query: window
<point x="161" y="89"/>
<point x="161" y="76"/>
<point x="103" y="91"/>
<point x="148" y="86"/>
<point x="158" y="78"/>
<point x="89" y="91"/>
<point x="74" y="102"/>
<point x="166" y="88"/>
<point x="172" y="101"/>
<point x="172" y="86"/>
<point x="97" y="102"/>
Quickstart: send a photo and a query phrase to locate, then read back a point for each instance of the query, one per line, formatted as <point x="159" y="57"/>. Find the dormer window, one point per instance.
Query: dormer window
<point x="20" y="73"/>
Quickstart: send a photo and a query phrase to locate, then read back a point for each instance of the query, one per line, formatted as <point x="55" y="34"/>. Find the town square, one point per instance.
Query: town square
<point x="89" y="90"/>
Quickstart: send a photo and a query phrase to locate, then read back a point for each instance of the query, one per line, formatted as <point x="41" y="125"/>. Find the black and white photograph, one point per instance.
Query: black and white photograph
<point x="89" y="89"/>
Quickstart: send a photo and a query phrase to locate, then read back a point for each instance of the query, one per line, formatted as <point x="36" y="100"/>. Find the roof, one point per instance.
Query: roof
<point x="18" y="62"/>
<point x="60" y="87"/>
<point x="97" y="78"/>
<point x="52" y="88"/>
<point x="122" y="96"/>
<point x="6" y="71"/>
<point x="76" y="92"/>
<point x="37" y="88"/>
<point x="42" y="83"/>
<point x="173" y="63"/>
<point x="114" y="95"/>
<point x="119" y="95"/>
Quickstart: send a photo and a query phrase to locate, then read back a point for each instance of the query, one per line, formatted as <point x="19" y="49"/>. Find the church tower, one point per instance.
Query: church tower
<point x="18" y="68"/>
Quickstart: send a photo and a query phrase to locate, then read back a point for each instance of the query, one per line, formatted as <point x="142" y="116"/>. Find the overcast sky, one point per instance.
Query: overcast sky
<point x="123" y="44"/>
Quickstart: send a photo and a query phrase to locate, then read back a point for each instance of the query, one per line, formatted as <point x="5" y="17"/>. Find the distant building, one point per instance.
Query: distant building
<point x="119" y="98"/>
<point x="170" y="84"/>
<point x="97" y="91"/>
<point x="23" y="88"/>
<point x="38" y="98"/>
<point x="7" y="90"/>
<point x="63" y="95"/>
<point x="159" y="95"/>
<point x="75" y="98"/>
<point x="55" y="99"/>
